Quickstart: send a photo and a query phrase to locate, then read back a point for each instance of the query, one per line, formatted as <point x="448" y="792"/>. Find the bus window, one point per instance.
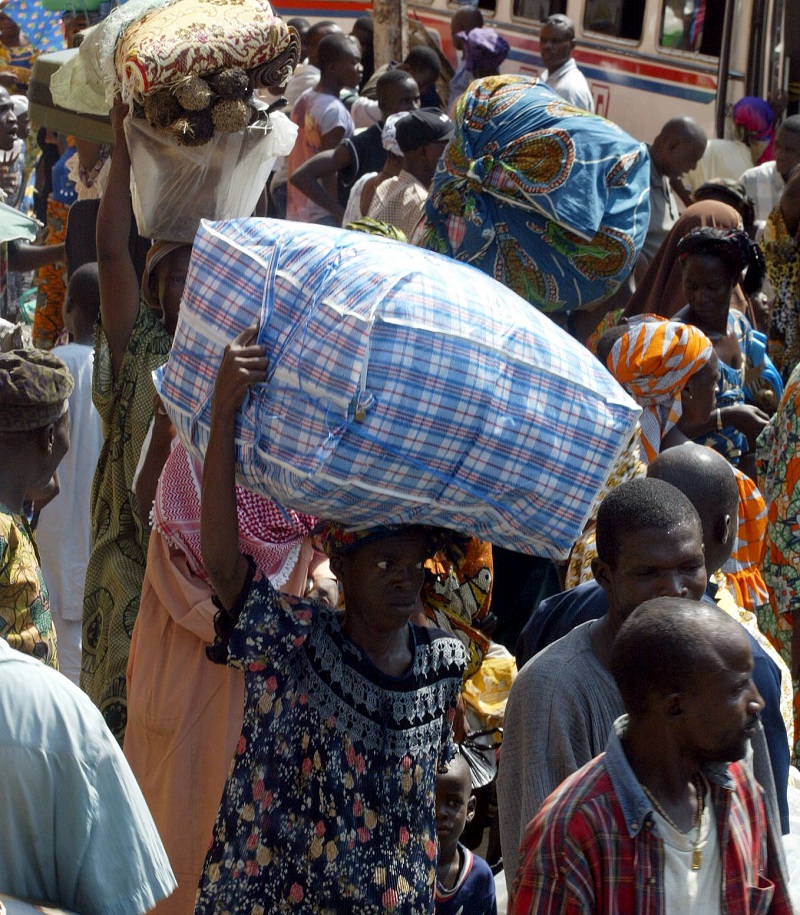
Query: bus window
<point x="539" y="9"/>
<point x="620" y="18"/>
<point x="693" y="25"/>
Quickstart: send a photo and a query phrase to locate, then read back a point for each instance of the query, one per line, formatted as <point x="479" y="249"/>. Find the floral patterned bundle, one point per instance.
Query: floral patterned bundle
<point x="188" y="67"/>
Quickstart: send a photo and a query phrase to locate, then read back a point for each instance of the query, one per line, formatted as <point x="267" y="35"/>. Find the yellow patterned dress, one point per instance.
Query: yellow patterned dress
<point x="115" y="571"/>
<point x="25" y="621"/>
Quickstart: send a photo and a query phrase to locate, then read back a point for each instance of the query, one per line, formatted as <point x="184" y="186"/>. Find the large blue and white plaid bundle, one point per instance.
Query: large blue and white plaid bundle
<point x="403" y="386"/>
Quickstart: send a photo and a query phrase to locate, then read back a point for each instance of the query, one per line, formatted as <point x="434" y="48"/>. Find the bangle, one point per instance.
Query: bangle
<point x="719" y="419"/>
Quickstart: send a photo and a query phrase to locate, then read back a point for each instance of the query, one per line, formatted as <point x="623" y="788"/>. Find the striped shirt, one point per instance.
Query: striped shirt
<point x="594" y="846"/>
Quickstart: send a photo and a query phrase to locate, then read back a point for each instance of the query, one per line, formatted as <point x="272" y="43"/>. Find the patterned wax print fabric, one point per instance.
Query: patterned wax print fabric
<point x="743" y="570"/>
<point x="544" y="197"/>
<point x="782" y="254"/>
<point x="119" y="540"/>
<point x="48" y="321"/>
<point x="653" y="362"/>
<point x="329" y="806"/>
<point x="779" y="478"/>
<point x="25" y="621"/>
<point x="750" y="383"/>
<point x="200" y="37"/>
<point x="457" y="595"/>
<point x="39" y="28"/>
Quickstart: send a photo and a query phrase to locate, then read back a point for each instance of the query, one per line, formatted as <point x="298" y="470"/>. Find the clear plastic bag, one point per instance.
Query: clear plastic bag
<point x="173" y="187"/>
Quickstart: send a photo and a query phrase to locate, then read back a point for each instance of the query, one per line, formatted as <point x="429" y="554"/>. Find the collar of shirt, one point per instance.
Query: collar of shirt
<point x="568" y="65"/>
<point x="636" y="807"/>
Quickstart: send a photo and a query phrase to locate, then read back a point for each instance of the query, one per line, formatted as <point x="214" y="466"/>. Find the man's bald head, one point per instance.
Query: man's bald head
<point x="663" y="646"/>
<point x="709" y="483"/>
<point x="678" y="147"/>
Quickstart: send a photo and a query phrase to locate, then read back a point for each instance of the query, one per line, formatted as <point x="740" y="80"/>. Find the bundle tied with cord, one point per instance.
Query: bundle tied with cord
<point x="401" y="390"/>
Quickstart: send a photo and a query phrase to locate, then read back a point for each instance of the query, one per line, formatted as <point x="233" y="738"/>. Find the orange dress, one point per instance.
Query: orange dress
<point x="184" y="715"/>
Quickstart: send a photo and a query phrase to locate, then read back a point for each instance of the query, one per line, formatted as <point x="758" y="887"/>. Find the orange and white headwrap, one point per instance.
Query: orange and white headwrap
<point x="653" y="362"/>
<point x="743" y="569"/>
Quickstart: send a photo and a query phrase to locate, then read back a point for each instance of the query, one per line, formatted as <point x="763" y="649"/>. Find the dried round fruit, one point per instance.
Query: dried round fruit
<point x="161" y="109"/>
<point x="194" y="129"/>
<point x="232" y="83"/>
<point x="193" y="93"/>
<point x="230" y="116"/>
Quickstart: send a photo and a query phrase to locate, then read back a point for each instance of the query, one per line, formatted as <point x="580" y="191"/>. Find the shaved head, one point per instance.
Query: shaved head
<point x="678" y="147"/>
<point x="684" y="129"/>
<point x="709" y="483"/>
<point x="664" y="644"/>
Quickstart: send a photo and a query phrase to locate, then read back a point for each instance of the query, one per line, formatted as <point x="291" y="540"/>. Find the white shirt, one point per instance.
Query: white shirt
<point x="686" y="891"/>
<point x="765" y="185"/>
<point x="568" y="81"/>
<point x="400" y="201"/>
<point x="316" y="115"/>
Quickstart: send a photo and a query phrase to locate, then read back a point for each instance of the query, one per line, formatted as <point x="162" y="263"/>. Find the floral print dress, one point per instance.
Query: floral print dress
<point x="330" y="803"/>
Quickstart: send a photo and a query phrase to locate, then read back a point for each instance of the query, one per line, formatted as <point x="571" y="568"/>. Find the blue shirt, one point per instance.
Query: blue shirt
<point x="76" y="831"/>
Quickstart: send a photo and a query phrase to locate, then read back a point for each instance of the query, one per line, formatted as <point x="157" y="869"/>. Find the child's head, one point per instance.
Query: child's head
<point x="455" y="804"/>
<point x="82" y="303"/>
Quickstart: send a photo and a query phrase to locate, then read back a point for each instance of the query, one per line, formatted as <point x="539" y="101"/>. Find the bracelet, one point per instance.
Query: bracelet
<point x="719" y="419"/>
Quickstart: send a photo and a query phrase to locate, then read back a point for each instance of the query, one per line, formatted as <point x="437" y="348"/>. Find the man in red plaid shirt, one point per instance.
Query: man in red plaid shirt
<point x="665" y="820"/>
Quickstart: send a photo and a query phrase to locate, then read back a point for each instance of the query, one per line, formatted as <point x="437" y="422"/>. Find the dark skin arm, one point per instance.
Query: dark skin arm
<point x="323" y="167"/>
<point x="158" y="451"/>
<point x="119" y="286"/>
<point x="23" y="257"/>
<point x="244" y="363"/>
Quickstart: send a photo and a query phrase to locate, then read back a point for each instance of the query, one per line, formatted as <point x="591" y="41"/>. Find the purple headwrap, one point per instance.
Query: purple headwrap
<point x="757" y="118"/>
<point x="484" y="49"/>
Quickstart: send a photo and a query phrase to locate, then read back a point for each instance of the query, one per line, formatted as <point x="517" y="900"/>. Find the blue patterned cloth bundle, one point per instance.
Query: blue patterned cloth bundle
<point x="547" y="198"/>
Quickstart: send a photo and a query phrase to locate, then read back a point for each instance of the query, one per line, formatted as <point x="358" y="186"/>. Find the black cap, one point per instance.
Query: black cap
<point x="425" y="125"/>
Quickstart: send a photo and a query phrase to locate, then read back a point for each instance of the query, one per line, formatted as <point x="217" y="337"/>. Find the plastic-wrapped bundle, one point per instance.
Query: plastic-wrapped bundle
<point x="548" y="199"/>
<point x="403" y="386"/>
<point x="175" y="186"/>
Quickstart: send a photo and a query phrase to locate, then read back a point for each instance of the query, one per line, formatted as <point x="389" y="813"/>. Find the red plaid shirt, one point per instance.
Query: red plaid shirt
<point x="593" y="847"/>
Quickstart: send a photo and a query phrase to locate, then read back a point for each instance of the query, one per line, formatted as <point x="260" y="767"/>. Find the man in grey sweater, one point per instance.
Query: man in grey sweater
<point x="564" y="701"/>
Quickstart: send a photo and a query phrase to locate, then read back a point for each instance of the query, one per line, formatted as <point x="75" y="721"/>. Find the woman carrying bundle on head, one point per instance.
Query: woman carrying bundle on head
<point x="329" y="805"/>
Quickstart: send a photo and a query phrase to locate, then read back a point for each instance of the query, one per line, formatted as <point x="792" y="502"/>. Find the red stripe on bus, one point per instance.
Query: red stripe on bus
<point x="621" y="64"/>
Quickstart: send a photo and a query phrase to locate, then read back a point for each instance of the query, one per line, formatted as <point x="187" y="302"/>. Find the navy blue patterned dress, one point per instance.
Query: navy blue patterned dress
<point x="330" y="803"/>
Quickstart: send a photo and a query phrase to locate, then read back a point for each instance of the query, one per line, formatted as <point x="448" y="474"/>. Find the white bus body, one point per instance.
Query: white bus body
<point x="645" y="60"/>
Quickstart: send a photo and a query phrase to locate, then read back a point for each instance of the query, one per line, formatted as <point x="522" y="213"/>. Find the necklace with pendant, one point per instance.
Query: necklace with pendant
<point x="699" y="787"/>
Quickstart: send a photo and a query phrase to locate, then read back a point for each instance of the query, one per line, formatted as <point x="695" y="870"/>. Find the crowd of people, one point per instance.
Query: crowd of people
<point x="271" y="711"/>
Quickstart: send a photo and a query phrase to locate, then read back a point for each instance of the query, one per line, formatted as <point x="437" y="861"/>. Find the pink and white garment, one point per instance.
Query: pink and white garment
<point x="272" y="535"/>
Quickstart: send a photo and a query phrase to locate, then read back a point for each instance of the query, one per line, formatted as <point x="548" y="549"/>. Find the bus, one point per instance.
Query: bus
<point x="645" y="60"/>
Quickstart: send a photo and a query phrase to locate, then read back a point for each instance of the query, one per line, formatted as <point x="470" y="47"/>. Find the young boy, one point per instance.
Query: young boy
<point x="464" y="882"/>
<point x="323" y="121"/>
